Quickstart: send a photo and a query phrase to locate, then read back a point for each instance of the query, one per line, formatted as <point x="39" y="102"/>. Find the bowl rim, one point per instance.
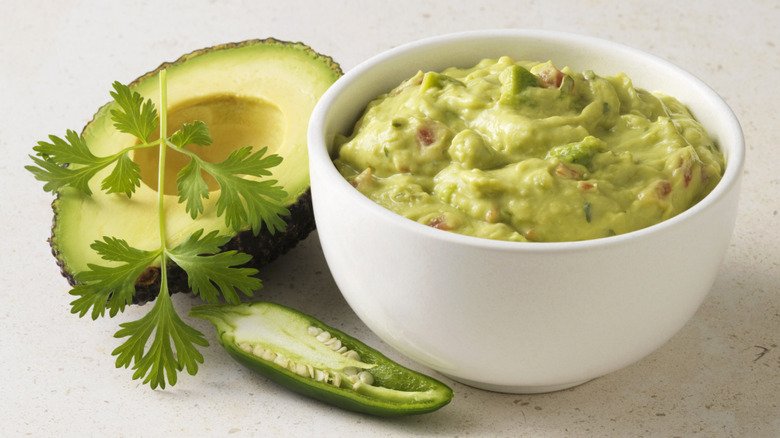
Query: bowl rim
<point x="319" y="156"/>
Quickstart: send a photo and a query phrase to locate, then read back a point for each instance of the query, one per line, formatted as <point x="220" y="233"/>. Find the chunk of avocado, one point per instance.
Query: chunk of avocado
<point x="257" y="93"/>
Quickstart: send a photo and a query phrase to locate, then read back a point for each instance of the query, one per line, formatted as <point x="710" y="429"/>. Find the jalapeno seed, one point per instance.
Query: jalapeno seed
<point x="352" y="354"/>
<point x="335" y="378"/>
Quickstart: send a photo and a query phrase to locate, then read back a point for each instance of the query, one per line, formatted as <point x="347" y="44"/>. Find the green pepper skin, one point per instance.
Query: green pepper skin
<point x="396" y="390"/>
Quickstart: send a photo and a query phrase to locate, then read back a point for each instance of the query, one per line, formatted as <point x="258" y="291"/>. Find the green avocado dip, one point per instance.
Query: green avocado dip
<point x="523" y="151"/>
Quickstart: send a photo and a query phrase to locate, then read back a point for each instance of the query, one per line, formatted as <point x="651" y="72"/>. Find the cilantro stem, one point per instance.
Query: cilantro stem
<point x="161" y="181"/>
<point x="161" y="167"/>
<point x="132" y="148"/>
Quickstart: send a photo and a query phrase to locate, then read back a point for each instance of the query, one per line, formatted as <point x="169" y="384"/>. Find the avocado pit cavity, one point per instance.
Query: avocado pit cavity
<point x="233" y="121"/>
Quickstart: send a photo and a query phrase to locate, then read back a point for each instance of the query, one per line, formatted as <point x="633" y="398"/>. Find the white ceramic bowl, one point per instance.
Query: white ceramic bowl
<point x="508" y="316"/>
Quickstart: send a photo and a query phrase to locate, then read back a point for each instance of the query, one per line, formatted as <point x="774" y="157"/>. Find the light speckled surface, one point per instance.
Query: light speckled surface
<point x="718" y="377"/>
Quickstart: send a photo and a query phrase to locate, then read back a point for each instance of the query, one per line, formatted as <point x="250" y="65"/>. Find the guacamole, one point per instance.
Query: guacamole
<point x="523" y="151"/>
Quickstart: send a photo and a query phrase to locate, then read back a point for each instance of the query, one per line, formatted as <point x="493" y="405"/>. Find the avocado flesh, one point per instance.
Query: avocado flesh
<point x="257" y="93"/>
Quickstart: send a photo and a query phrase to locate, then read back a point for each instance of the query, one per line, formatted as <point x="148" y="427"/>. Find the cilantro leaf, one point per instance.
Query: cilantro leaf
<point x="162" y="360"/>
<point x="134" y="116"/>
<point x="125" y="177"/>
<point x="210" y="272"/>
<point x="110" y="287"/>
<point x="57" y="176"/>
<point x="69" y="162"/>
<point x="70" y="150"/>
<point x="55" y="163"/>
<point x="196" y="132"/>
<point x="190" y="183"/>
<point x="192" y="188"/>
<point x="244" y="200"/>
<point x="259" y="209"/>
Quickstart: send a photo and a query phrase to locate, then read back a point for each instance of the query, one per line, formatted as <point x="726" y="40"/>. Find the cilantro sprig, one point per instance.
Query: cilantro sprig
<point x="160" y="344"/>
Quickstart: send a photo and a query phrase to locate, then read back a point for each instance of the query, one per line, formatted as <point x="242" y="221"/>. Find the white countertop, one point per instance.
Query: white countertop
<point x="718" y="377"/>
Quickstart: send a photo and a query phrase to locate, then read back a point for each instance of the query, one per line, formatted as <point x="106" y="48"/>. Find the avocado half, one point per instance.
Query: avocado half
<point x="257" y="93"/>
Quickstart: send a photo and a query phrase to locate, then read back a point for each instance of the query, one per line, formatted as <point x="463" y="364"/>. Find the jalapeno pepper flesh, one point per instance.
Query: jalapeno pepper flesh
<point x="306" y="355"/>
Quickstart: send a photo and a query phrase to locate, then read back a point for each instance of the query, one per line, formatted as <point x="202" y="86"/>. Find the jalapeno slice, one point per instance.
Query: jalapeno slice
<point x="314" y="359"/>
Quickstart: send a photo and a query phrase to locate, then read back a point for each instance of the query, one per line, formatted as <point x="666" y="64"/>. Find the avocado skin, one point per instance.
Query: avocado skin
<point x="264" y="248"/>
